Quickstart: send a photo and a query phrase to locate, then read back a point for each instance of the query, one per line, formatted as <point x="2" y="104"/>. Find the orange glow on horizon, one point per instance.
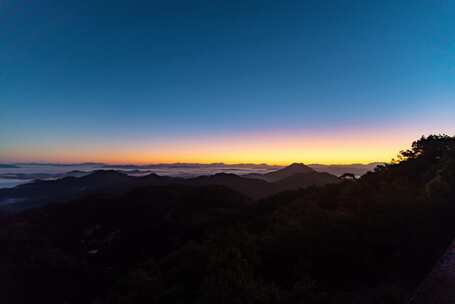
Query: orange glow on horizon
<point x="271" y="148"/>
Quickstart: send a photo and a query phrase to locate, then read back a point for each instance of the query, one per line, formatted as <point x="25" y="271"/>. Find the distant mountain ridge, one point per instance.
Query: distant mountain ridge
<point x="192" y="165"/>
<point x="336" y="169"/>
<point x="114" y="182"/>
<point x="294" y="168"/>
<point x="147" y="166"/>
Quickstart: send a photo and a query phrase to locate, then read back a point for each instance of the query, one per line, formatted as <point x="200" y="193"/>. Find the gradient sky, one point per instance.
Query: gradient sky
<point x="233" y="81"/>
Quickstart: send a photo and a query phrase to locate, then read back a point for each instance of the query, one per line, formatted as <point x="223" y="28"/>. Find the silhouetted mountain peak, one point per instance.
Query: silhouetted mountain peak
<point x="298" y="168"/>
<point x="294" y="168"/>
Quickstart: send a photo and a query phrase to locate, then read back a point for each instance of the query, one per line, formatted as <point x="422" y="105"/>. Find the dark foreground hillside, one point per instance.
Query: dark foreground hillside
<point x="371" y="240"/>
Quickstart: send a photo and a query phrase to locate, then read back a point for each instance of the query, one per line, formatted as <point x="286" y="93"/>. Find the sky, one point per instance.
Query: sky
<point x="223" y="81"/>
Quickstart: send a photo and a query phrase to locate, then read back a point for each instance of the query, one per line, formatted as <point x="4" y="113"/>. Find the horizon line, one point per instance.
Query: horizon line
<point x="187" y="163"/>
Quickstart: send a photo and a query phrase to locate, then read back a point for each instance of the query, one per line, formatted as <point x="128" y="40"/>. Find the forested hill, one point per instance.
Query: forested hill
<point x="370" y="240"/>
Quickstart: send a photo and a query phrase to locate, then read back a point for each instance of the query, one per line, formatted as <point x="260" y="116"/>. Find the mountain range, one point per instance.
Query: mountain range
<point x="254" y="186"/>
<point x="40" y="169"/>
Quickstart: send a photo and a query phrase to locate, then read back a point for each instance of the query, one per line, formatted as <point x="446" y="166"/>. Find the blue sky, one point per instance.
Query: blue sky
<point x="88" y="77"/>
